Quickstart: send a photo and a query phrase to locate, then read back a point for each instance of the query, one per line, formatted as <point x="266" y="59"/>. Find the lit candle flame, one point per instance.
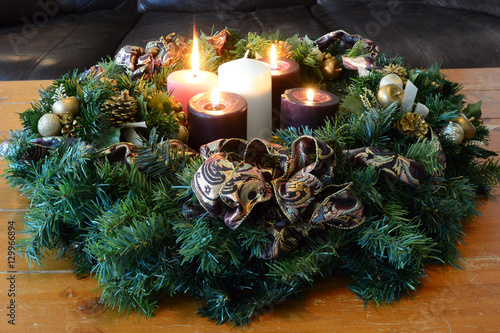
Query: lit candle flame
<point x="195" y="57"/>
<point x="273" y="58"/>
<point x="215" y="97"/>
<point x="310" y="96"/>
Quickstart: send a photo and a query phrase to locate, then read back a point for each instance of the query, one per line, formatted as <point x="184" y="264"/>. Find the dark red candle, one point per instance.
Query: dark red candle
<point x="297" y="109"/>
<point x="210" y="119"/>
<point x="285" y="74"/>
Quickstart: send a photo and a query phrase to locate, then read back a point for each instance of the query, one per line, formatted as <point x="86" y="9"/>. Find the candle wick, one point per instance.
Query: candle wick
<point x="246" y="54"/>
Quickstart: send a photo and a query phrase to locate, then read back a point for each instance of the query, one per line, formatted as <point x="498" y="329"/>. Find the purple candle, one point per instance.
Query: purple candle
<point x="298" y="109"/>
<point x="285" y="74"/>
<point x="215" y="116"/>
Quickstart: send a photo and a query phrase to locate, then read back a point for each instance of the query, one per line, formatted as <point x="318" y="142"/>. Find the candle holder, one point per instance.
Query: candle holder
<point x="298" y="110"/>
<point x="285" y="76"/>
<point x="209" y="122"/>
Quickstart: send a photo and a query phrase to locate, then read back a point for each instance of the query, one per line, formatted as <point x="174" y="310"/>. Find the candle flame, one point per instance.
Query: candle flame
<point x="273" y="58"/>
<point x="310" y="95"/>
<point x="215" y="97"/>
<point x="195" y="57"/>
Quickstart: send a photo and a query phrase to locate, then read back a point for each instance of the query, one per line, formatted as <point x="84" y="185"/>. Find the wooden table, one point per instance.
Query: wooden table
<point x="52" y="299"/>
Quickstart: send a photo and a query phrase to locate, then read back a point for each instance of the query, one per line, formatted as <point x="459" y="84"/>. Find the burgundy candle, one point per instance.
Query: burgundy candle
<point x="216" y="116"/>
<point x="297" y="109"/>
<point x="285" y="74"/>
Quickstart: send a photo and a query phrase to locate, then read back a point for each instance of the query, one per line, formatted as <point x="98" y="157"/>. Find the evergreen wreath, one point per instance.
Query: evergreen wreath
<point x="129" y="215"/>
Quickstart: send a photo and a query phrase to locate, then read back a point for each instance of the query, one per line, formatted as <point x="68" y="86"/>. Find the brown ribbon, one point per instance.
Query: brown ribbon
<point x="164" y="52"/>
<point x="393" y="165"/>
<point x="293" y="187"/>
<point x="347" y="41"/>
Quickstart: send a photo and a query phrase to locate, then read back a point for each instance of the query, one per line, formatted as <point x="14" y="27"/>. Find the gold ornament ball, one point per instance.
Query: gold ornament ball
<point x="182" y="134"/>
<point x="389" y="94"/>
<point x="331" y="69"/>
<point x="181" y="117"/>
<point x="49" y="125"/>
<point x="469" y="129"/>
<point x="177" y="106"/>
<point x="453" y="132"/>
<point x="67" y="105"/>
<point x="391" y="79"/>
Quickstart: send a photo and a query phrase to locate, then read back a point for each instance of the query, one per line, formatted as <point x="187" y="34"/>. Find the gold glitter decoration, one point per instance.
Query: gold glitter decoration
<point x="475" y="143"/>
<point x="283" y="49"/>
<point x="368" y="98"/>
<point x="413" y="123"/>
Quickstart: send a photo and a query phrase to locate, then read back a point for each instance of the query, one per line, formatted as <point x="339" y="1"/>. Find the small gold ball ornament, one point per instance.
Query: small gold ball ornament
<point x="453" y="132"/>
<point x="67" y="105"/>
<point x="49" y="125"/>
<point x="389" y="94"/>
<point x="331" y="69"/>
<point x="469" y="129"/>
<point x="176" y="106"/>
<point x="182" y="134"/>
<point x="181" y="117"/>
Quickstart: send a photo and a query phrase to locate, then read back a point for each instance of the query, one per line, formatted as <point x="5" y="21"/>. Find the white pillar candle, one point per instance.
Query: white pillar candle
<point x="251" y="79"/>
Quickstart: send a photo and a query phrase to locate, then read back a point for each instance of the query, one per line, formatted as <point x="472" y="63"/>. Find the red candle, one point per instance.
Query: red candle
<point x="285" y="74"/>
<point x="184" y="84"/>
<point x="215" y="116"/>
<point x="298" y="109"/>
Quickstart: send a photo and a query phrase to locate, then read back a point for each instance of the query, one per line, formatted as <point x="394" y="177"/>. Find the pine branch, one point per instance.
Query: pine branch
<point x="159" y="160"/>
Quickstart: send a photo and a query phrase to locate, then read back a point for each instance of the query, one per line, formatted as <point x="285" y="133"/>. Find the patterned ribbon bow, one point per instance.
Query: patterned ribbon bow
<point x="164" y="52"/>
<point x="293" y="187"/>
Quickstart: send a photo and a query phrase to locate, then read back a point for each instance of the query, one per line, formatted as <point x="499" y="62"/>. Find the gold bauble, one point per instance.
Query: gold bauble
<point x="389" y="94"/>
<point x="67" y="105"/>
<point x="49" y="125"/>
<point x="453" y="132"/>
<point x="181" y="117"/>
<point x="177" y="106"/>
<point x="469" y="129"/>
<point x="182" y="134"/>
<point x="331" y="69"/>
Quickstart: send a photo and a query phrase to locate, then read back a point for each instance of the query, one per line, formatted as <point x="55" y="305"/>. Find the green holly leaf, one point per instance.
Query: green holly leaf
<point x="33" y="121"/>
<point x="108" y="137"/>
<point x="484" y="153"/>
<point x="353" y="103"/>
<point x="473" y="110"/>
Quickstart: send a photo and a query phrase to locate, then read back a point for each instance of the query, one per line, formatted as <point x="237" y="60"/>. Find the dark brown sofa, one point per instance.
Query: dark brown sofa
<point x="43" y="39"/>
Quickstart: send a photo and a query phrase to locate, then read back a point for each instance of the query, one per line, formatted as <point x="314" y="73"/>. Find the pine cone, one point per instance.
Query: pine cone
<point x="395" y="69"/>
<point x="121" y="109"/>
<point x="413" y="123"/>
<point x="70" y="129"/>
<point x="66" y="118"/>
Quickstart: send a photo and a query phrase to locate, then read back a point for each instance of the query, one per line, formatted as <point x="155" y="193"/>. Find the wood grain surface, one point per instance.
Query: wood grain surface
<point x="50" y="298"/>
